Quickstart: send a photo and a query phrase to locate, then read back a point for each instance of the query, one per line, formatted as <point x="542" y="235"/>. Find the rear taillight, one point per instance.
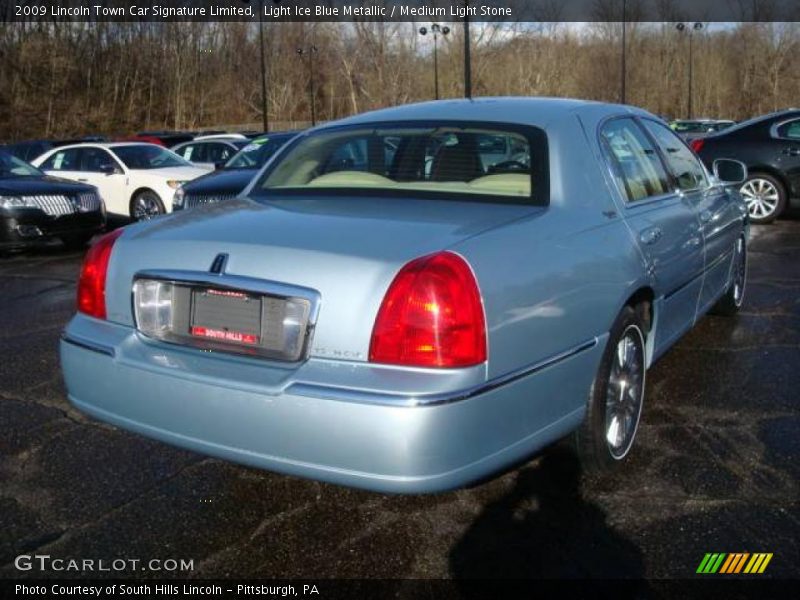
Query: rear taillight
<point x="92" y="283"/>
<point x="697" y="145"/>
<point x="431" y="316"/>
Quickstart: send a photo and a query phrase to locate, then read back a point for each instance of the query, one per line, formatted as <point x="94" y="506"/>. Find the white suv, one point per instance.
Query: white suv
<point x="134" y="179"/>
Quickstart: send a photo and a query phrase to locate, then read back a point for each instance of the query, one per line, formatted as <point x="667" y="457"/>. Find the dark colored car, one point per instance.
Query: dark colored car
<point x="35" y="208"/>
<point x="30" y="149"/>
<point x="770" y="147"/>
<point x="226" y="183"/>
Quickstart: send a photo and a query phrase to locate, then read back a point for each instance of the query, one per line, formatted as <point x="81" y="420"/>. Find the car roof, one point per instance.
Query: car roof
<point x="221" y="137"/>
<point x="109" y="145"/>
<point x="788" y="113"/>
<point x="524" y="110"/>
<point x="275" y="134"/>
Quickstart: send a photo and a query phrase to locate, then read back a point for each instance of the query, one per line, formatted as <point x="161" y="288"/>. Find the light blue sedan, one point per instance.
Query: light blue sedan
<point x="413" y="299"/>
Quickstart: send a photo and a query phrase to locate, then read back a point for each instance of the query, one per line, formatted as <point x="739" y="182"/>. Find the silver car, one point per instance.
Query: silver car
<point x="413" y="299"/>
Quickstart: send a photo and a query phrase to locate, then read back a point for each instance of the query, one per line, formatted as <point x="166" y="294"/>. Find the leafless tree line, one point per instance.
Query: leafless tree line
<point x="62" y="79"/>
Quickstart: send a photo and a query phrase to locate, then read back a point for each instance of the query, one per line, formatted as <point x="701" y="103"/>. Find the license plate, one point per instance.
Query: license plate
<point x="268" y="323"/>
<point x="227" y="316"/>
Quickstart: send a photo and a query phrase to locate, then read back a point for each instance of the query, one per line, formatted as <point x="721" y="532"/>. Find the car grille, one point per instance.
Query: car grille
<point x="60" y="205"/>
<point x="88" y="202"/>
<point x="55" y="206"/>
<point x="192" y="200"/>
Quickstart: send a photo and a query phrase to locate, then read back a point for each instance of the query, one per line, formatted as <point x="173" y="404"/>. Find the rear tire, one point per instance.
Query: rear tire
<point x="765" y="197"/>
<point x="145" y="205"/>
<point x="616" y="398"/>
<point x="732" y="301"/>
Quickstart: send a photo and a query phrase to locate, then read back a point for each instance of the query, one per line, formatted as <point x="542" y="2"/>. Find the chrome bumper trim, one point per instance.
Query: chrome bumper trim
<point x="405" y="400"/>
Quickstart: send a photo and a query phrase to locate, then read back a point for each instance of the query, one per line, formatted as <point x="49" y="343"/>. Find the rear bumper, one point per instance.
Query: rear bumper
<point x="21" y="228"/>
<point x="297" y="429"/>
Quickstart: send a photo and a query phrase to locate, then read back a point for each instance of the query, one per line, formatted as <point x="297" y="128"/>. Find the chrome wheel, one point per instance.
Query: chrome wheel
<point x="625" y="392"/>
<point x="146" y="206"/>
<point x="761" y="196"/>
<point x="739" y="272"/>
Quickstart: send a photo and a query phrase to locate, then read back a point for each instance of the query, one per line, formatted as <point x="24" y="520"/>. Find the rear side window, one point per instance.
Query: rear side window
<point x="218" y="152"/>
<point x="63" y="160"/>
<point x="634" y="160"/>
<point x="193" y="152"/>
<point x="685" y="167"/>
<point x="478" y="162"/>
<point x="96" y="159"/>
<point x="790" y="130"/>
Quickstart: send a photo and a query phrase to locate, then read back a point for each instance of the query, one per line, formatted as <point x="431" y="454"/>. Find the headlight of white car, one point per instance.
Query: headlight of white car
<point x="178" y="199"/>
<point x="175" y="183"/>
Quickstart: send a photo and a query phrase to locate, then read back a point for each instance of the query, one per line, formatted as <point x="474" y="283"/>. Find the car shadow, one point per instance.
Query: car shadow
<point x="544" y="528"/>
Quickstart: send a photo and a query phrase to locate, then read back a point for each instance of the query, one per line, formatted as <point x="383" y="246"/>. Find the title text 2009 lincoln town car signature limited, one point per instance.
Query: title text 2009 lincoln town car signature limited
<point x="412" y="299"/>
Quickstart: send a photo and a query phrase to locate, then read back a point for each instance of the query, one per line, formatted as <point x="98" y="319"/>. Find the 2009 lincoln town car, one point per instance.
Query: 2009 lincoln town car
<point x="412" y="299"/>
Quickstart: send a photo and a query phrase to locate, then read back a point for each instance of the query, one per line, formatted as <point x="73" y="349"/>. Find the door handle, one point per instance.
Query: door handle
<point x="792" y="151"/>
<point x="650" y="236"/>
<point x="82" y="179"/>
<point x="705" y="216"/>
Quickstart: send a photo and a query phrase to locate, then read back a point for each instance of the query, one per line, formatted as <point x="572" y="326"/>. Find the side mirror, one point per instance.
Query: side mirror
<point x="219" y="164"/>
<point x="108" y="169"/>
<point x="729" y="171"/>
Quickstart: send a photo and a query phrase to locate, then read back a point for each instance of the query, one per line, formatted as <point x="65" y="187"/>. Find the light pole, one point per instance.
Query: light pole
<point x="436" y="29"/>
<point x="264" y="99"/>
<point x="623" y="67"/>
<point x="467" y="57"/>
<point x="681" y="27"/>
<point x="310" y="51"/>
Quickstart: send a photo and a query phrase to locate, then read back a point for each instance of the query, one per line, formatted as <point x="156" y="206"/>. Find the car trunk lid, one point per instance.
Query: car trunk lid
<point x="346" y="248"/>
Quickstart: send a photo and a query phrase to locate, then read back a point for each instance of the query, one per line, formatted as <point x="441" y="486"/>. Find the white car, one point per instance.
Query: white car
<point x="134" y="179"/>
<point x="210" y="151"/>
<point x="221" y="136"/>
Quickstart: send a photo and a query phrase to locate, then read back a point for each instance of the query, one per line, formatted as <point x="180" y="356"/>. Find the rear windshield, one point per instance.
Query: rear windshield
<point x="481" y="162"/>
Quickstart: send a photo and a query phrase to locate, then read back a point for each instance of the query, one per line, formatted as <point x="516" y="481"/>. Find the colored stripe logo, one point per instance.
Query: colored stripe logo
<point x="734" y="563"/>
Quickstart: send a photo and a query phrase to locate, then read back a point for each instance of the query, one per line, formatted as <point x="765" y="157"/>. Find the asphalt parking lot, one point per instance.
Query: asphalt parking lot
<point x="716" y="468"/>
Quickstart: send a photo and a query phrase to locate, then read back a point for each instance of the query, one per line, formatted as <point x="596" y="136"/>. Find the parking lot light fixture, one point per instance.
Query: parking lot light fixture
<point x="310" y="51"/>
<point x="690" y="29"/>
<point x="436" y="30"/>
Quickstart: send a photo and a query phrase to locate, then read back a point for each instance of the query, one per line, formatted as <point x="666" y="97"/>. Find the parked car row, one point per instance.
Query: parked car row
<point x="142" y="179"/>
<point x="134" y="179"/>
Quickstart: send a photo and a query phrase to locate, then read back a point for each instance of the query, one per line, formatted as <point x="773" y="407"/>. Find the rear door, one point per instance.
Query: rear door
<point x="716" y="209"/>
<point x="94" y="166"/>
<point x="788" y="138"/>
<point x="663" y="222"/>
